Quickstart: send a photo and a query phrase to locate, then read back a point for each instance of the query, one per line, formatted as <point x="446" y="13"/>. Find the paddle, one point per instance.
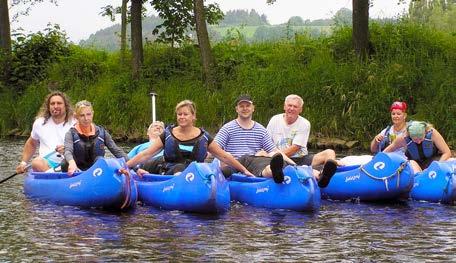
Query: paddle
<point x="11" y="176"/>
<point x="26" y="168"/>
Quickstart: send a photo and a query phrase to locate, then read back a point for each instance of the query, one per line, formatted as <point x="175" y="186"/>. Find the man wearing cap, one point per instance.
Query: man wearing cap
<point x="250" y="143"/>
<point x="423" y="143"/>
<point x="290" y="133"/>
<point x="398" y="117"/>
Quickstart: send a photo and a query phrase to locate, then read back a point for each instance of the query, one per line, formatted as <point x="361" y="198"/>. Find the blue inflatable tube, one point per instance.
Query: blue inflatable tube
<point x="200" y="188"/>
<point x="387" y="176"/>
<point x="436" y="184"/>
<point x="298" y="192"/>
<point x="99" y="186"/>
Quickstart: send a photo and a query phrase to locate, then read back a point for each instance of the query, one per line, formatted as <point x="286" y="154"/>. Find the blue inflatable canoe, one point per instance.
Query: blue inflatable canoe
<point x="200" y="188"/>
<point x="387" y="176"/>
<point x="298" y="192"/>
<point x="436" y="184"/>
<point x="100" y="186"/>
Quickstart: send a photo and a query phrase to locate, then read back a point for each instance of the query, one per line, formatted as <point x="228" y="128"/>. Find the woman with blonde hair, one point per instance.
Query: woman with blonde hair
<point x="183" y="144"/>
<point x="85" y="142"/>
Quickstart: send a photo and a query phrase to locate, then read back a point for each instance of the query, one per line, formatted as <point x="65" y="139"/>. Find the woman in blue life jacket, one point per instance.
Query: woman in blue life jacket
<point x="153" y="132"/>
<point x="85" y="142"/>
<point x="398" y="128"/>
<point x="423" y="143"/>
<point x="183" y="144"/>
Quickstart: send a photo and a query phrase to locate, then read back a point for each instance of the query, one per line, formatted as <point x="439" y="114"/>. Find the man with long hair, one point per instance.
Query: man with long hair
<point x="52" y="122"/>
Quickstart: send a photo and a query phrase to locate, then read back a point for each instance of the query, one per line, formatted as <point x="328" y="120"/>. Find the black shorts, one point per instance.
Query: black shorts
<point x="304" y="160"/>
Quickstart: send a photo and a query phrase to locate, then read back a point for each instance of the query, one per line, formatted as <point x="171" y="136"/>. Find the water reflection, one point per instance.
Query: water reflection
<point x="339" y="232"/>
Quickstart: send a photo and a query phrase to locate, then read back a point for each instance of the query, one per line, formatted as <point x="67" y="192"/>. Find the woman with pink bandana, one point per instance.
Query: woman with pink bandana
<point x="398" y="117"/>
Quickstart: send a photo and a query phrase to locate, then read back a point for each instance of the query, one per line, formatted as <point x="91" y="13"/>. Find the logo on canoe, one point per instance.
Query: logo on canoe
<point x="379" y="165"/>
<point x="73" y="185"/>
<point x="168" y="188"/>
<point x="432" y="174"/>
<point x="262" y="190"/>
<point x="287" y="179"/>
<point x="97" y="172"/>
<point x="189" y="177"/>
<point x="352" y="178"/>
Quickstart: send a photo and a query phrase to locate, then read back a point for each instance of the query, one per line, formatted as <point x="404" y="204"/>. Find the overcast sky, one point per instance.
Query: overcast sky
<point x="81" y="18"/>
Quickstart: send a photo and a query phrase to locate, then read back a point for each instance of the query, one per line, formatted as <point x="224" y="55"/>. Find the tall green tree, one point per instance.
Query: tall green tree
<point x="5" y="40"/>
<point x="360" y="24"/>
<point x="181" y="16"/>
<point x="207" y="59"/>
<point x="136" y="37"/>
<point x="111" y="12"/>
<point x="5" y="31"/>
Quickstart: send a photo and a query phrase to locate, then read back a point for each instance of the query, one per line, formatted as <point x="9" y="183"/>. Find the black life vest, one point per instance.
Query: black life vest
<point x="423" y="151"/>
<point x="174" y="150"/>
<point x="86" y="149"/>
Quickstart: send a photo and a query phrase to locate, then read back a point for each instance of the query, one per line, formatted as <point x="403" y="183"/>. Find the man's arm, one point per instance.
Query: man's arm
<point x="29" y="149"/>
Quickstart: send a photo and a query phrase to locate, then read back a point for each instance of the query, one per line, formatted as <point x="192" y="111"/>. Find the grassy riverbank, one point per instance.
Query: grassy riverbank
<point x="344" y="98"/>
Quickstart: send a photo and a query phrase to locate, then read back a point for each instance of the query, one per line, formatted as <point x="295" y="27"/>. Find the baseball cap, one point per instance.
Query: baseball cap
<point x="245" y="98"/>
<point x="416" y="129"/>
<point x="399" y="105"/>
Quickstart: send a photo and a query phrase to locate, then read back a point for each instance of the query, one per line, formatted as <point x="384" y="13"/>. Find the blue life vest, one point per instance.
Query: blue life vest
<point x="173" y="149"/>
<point x="386" y="139"/>
<point x="87" y="149"/>
<point x="423" y="151"/>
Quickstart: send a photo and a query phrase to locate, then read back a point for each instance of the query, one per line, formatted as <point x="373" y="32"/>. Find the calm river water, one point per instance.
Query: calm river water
<point x="339" y="232"/>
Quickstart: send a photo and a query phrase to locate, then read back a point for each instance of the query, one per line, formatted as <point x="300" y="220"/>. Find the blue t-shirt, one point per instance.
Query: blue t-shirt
<point x="139" y="148"/>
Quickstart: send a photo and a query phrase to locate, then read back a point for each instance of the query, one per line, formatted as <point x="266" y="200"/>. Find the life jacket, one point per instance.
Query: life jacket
<point x="173" y="148"/>
<point x="423" y="151"/>
<point x="386" y="139"/>
<point x="87" y="149"/>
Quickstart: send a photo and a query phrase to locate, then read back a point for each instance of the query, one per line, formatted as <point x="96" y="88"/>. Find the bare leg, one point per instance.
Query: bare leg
<point x="321" y="157"/>
<point x="415" y="166"/>
<point x="40" y="165"/>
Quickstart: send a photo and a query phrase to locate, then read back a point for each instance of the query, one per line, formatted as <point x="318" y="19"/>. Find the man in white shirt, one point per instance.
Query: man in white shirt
<point x="53" y="120"/>
<point x="290" y="133"/>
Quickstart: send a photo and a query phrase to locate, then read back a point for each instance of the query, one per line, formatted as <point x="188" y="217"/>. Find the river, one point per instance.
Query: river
<point x="338" y="232"/>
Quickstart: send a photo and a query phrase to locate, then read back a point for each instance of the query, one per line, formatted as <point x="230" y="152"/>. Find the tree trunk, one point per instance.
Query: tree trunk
<point x="136" y="37"/>
<point x="361" y="27"/>
<point x="123" y="31"/>
<point x="207" y="58"/>
<point x="5" y="40"/>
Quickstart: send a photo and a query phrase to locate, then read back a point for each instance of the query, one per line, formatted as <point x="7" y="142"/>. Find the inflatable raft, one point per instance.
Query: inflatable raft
<point x="387" y="176"/>
<point x="200" y="188"/>
<point x="436" y="184"/>
<point x="100" y="186"/>
<point x="298" y="192"/>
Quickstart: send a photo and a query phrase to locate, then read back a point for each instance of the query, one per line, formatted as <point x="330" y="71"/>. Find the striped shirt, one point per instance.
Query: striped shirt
<point x="239" y="141"/>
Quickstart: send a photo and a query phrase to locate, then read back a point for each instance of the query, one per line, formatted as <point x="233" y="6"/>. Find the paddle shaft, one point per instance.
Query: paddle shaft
<point x="26" y="168"/>
<point x="11" y="176"/>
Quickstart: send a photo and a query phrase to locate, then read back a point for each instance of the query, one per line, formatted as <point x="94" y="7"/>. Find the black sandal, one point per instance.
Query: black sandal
<point x="329" y="169"/>
<point x="276" y="165"/>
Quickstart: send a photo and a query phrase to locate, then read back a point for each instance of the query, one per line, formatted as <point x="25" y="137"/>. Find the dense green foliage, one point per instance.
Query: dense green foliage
<point x="343" y="97"/>
<point x="253" y="26"/>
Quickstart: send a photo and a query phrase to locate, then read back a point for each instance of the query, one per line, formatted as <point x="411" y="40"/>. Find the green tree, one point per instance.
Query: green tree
<point x="5" y="30"/>
<point x="179" y="18"/>
<point x="111" y="12"/>
<point x="360" y="24"/>
<point x="136" y="37"/>
<point x="296" y="21"/>
<point x="343" y="17"/>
